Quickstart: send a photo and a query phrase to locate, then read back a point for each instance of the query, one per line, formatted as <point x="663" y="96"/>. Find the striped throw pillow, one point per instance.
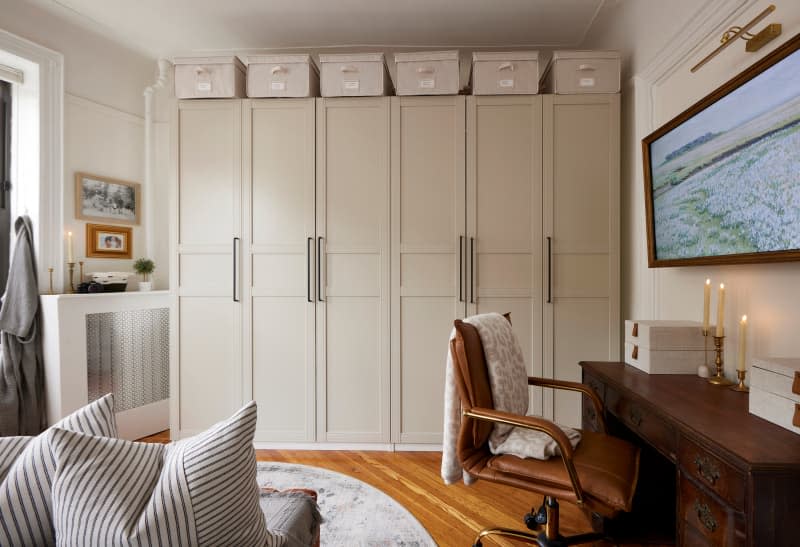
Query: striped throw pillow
<point x="27" y="467"/>
<point x="200" y="491"/>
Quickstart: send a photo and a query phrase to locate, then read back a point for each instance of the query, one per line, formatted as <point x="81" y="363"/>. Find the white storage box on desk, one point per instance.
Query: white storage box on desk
<point x="209" y="77"/>
<point x="576" y="72"/>
<point x="505" y="73"/>
<point x="665" y="347"/>
<point x="775" y="391"/>
<point x="354" y="75"/>
<point x="428" y="73"/>
<point x="282" y="76"/>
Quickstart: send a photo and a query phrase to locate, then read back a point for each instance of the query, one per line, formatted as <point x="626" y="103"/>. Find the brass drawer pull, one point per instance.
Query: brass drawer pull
<point x="704" y="515"/>
<point x="706" y="469"/>
<point x="635" y="417"/>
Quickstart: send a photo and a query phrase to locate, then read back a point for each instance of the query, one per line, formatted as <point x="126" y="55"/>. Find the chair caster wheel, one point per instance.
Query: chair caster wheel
<point x="531" y="522"/>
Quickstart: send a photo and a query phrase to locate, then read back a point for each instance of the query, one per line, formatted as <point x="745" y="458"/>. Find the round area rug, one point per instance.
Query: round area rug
<point x="356" y="514"/>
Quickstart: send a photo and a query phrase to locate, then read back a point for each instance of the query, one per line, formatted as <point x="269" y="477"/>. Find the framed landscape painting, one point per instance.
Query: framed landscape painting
<point x="105" y="199"/>
<point x="722" y="179"/>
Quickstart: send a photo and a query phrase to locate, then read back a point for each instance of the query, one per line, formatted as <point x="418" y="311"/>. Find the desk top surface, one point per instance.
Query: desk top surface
<point x="716" y="414"/>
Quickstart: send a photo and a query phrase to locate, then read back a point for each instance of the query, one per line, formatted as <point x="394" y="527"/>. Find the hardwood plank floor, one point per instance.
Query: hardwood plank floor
<point x="453" y="515"/>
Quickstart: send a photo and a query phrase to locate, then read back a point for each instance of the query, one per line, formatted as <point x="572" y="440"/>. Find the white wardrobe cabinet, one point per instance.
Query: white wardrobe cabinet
<point x="323" y="248"/>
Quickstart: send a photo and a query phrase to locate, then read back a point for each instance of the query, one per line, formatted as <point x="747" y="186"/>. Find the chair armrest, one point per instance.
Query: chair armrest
<point x="574" y="386"/>
<point x="536" y="424"/>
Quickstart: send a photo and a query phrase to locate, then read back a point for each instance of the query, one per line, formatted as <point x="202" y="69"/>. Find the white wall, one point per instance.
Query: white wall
<point x="103" y="110"/>
<point x="661" y="88"/>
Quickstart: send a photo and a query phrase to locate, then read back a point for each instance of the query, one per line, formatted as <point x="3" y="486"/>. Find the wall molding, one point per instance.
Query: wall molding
<point x="110" y="111"/>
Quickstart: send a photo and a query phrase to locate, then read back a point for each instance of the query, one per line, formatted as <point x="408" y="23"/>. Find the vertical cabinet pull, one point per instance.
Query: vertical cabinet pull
<point x="549" y="269"/>
<point x="319" y="269"/>
<point x="309" y="245"/>
<point x="460" y="268"/>
<point x="235" y="268"/>
<point x="472" y="270"/>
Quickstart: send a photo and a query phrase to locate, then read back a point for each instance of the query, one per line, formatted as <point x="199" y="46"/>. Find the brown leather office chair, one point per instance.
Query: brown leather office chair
<point x="599" y="475"/>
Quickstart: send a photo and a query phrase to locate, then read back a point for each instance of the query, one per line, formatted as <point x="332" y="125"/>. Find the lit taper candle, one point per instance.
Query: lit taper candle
<point x="742" y="343"/>
<point x="721" y="311"/>
<point x="706" y="305"/>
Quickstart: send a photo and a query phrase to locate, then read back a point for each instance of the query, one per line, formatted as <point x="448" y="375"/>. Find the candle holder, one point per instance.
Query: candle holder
<point x="719" y="378"/>
<point x="80" y="274"/>
<point x="50" y="270"/>
<point x="71" y="266"/>
<point x="740" y="386"/>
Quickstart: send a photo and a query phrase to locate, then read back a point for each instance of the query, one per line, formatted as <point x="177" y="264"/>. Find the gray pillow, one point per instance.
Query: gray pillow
<point x="27" y="467"/>
<point x="199" y="491"/>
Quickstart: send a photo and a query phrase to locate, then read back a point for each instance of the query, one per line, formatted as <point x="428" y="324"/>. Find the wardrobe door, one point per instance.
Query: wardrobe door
<point x="279" y="156"/>
<point x="504" y="224"/>
<point x="581" y="170"/>
<point x="353" y="275"/>
<point x="428" y="235"/>
<point x="207" y="267"/>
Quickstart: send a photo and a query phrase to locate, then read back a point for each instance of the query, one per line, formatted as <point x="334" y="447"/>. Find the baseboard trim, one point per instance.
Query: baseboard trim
<point x="376" y="447"/>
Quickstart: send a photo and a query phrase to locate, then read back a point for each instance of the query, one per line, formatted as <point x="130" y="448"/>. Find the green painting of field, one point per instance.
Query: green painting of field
<point x="731" y="192"/>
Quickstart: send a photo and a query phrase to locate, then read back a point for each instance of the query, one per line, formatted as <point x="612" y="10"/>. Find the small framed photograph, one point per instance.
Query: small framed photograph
<point x="104" y="241"/>
<point x="105" y="199"/>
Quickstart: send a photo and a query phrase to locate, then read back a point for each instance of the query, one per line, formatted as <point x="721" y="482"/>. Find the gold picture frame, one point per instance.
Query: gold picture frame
<point x="105" y="199"/>
<point x="107" y="241"/>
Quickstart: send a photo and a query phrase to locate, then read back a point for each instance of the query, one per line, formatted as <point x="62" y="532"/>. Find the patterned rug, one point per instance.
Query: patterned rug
<point x="356" y="514"/>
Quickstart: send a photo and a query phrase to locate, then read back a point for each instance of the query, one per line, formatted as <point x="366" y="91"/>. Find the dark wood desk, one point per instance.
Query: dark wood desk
<point x="737" y="477"/>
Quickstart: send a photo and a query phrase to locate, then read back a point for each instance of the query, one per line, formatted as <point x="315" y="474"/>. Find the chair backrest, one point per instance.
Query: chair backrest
<point x="472" y="380"/>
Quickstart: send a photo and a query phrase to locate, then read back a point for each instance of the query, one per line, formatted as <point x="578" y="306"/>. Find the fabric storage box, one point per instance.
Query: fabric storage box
<point x="575" y="72"/>
<point x="775" y="391"/>
<point x="209" y="77"/>
<point x="666" y="347"/>
<point x="428" y="73"/>
<point x="511" y="73"/>
<point x="354" y="75"/>
<point x="282" y="76"/>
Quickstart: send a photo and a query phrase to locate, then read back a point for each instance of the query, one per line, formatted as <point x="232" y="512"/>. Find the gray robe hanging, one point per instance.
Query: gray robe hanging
<point x="21" y="365"/>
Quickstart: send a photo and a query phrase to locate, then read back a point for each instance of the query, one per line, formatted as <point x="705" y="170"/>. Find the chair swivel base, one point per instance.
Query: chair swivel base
<point x="539" y="539"/>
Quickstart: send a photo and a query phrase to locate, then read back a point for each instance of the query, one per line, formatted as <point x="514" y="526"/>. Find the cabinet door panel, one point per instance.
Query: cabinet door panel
<point x="210" y="375"/>
<point x="581" y="216"/>
<point x="428" y="193"/>
<point x="279" y="337"/>
<point x="504" y="221"/>
<point x="207" y="334"/>
<point x="353" y="247"/>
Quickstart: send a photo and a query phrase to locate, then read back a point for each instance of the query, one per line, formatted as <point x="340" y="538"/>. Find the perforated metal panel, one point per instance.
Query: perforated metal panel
<point x="128" y="354"/>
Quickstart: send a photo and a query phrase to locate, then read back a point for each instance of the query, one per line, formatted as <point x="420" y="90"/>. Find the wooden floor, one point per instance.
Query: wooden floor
<point x="453" y="515"/>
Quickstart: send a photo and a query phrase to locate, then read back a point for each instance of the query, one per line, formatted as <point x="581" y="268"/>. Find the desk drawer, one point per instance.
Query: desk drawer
<point x="703" y="516"/>
<point x="714" y="474"/>
<point x="596" y="384"/>
<point x="643" y="422"/>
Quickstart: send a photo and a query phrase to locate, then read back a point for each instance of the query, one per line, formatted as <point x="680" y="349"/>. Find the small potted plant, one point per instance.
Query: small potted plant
<point x="144" y="267"/>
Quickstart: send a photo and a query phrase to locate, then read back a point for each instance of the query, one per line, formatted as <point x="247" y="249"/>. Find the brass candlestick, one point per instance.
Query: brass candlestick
<point x="51" y="279"/>
<point x="71" y="266"/>
<point x="719" y="378"/>
<point x="80" y="275"/>
<point x="740" y="386"/>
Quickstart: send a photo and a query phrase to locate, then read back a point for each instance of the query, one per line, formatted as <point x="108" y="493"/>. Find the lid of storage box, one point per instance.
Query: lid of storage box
<point x="350" y="57"/>
<point x="779" y="365"/>
<point x="585" y="54"/>
<point x="278" y="58"/>
<point x="505" y="56"/>
<point x="665" y="334"/>
<point x="426" y="56"/>
<point x="224" y="60"/>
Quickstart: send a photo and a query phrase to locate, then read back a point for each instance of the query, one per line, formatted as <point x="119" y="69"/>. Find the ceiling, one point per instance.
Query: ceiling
<point x="165" y="28"/>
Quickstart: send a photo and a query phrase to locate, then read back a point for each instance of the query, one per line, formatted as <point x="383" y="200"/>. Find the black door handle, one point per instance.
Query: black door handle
<point x="309" y="244"/>
<point x="319" y="269"/>
<point x="549" y="269"/>
<point x="460" y="268"/>
<point x="472" y="270"/>
<point x="235" y="268"/>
